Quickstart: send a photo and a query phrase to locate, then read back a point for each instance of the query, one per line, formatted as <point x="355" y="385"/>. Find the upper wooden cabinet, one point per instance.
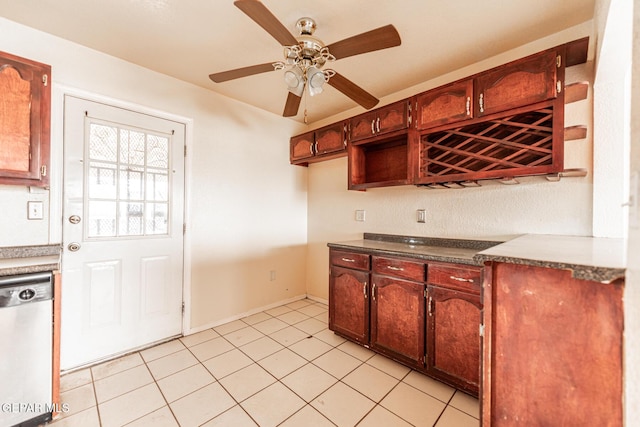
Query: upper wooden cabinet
<point x="387" y="119"/>
<point x="513" y="85"/>
<point x="25" y="101"/>
<point x="519" y="83"/>
<point x="321" y="144"/>
<point x="448" y="104"/>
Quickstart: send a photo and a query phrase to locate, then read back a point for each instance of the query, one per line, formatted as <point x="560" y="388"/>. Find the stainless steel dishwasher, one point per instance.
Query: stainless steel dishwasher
<point x="26" y="324"/>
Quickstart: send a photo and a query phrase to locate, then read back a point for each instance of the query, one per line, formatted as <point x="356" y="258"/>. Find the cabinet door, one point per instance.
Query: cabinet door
<point x="330" y="139"/>
<point x="25" y="100"/>
<point x="349" y="303"/>
<point x="301" y="147"/>
<point x="397" y="319"/>
<point x="362" y="126"/>
<point x="392" y="117"/>
<point x="448" y="104"/>
<point x="553" y="349"/>
<point x="453" y="337"/>
<point x="520" y="83"/>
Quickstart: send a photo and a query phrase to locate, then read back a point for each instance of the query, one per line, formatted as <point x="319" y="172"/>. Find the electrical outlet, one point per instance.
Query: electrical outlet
<point x="421" y="215"/>
<point x="360" y="214"/>
<point x="35" y="210"/>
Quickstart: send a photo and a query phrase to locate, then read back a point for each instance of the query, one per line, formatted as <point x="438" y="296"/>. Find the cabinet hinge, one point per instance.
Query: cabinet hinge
<point x="43" y="170"/>
<point x="481" y="330"/>
<point x="409" y="115"/>
<point x="558" y="86"/>
<point x="558" y="61"/>
<point x="183" y="307"/>
<point x="184" y="228"/>
<point x="45" y="79"/>
<point x="185" y="151"/>
<point x="425" y="293"/>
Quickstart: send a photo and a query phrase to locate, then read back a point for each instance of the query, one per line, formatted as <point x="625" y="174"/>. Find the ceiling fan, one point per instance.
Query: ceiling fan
<point x="304" y="57"/>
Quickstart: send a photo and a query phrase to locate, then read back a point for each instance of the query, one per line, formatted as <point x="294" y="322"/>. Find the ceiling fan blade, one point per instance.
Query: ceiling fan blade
<point x="241" y="72"/>
<point x="380" y="38"/>
<point x="263" y="17"/>
<point x="292" y="105"/>
<point x="353" y="91"/>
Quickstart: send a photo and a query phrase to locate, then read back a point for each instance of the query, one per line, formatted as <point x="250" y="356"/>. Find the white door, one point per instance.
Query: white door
<point x="122" y="230"/>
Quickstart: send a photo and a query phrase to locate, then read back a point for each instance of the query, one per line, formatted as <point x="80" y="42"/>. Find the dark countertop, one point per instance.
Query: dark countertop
<point x="589" y="258"/>
<point x="29" y="259"/>
<point x="423" y="248"/>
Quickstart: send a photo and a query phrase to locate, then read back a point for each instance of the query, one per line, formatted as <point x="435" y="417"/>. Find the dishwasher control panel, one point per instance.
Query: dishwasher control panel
<point x="16" y="290"/>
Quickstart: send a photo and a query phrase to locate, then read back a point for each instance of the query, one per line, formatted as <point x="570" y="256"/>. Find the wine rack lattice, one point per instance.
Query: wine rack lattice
<point x="512" y="142"/>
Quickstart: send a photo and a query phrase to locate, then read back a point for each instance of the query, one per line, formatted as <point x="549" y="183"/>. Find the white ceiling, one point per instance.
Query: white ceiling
<point x="190" y="39"/>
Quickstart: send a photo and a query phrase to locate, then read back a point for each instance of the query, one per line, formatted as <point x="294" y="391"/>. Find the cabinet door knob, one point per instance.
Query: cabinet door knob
<point x="74" y="247"/>
<point x="74" y="219"/>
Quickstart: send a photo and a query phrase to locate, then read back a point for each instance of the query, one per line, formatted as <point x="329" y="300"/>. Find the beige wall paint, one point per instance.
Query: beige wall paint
<point x="632" y="288"/>
<point x="493" y="211"/>
<point x="247" y="205"/>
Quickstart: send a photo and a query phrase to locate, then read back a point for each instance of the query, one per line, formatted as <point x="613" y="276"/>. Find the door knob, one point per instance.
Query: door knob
<point x="74" y="219"/>
<point x="74" y="247"/>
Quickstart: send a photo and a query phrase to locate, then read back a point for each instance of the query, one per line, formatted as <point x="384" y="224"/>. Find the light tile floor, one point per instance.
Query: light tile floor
<point x="280" y="367"/>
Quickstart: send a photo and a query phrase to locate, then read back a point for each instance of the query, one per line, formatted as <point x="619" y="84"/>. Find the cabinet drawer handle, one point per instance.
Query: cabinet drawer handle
<point x="468" y="105"/>
<point x="378" y="125"/>
<point x="311" y="148"/>
<point x="373" y="129"/>
<point x="481" y="102"/>
<point x="364" y="289"/>
<point x="390" y="267"/>
<point x="460" y="279"/>
<point x="373" y="292"/>
<point x="348" y="260"/>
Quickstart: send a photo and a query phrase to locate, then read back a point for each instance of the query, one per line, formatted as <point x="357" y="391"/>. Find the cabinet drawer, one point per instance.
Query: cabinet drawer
<point x="402" y="268"/>
<point x="455" y="276"/>
<point x="350" y="259"/>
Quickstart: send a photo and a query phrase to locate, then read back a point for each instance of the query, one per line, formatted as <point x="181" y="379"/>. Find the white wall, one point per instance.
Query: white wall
<point x="247" y="205"/>
<point x="611" y="118"/>
<point x="493" y="211"/>
<point x="632" y="288"/>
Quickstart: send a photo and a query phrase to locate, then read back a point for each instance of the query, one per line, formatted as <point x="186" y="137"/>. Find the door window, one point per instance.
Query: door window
<point x="128" y="181"/>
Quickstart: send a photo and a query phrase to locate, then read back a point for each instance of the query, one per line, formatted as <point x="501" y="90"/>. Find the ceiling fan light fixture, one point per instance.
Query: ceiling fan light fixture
<point x="316" y="79"/>
<point x="294" y="78"/>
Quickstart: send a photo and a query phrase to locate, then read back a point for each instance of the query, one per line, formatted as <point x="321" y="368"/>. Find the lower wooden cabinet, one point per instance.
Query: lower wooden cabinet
<point x="453" y="343"/>
<point x="349" y="303"/>
<point x="397" y="319"/>
<point x="389" y="314"/>
<point x="553" y="349"/>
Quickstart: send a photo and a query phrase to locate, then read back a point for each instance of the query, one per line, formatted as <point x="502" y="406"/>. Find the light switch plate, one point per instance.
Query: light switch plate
<point x="360" y="215"/>
<point x="35" y="210"/>
<point x="421" y="215"/>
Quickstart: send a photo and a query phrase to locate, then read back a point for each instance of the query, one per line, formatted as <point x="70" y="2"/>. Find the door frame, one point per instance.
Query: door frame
<point x="56" y="195"/>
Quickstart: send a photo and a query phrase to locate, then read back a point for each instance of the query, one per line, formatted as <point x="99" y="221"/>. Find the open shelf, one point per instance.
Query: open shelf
<point x="380" y="163"/>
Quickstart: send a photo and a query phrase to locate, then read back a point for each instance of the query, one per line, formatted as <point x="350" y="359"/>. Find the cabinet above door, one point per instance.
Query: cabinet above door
<point x="25" y="100"/>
